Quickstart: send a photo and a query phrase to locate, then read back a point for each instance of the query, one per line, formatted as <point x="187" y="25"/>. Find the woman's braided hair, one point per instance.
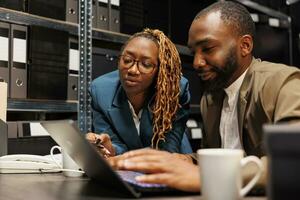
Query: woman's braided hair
<point x="167" y="87"/>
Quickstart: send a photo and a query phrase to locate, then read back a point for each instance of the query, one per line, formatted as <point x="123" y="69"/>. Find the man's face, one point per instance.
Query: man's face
<point x="138" y="65"/>
<point x="215" y="49"/>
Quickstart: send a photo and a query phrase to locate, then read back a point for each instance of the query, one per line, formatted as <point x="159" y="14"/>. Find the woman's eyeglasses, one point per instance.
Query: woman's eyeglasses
<point x="145" y="66"/>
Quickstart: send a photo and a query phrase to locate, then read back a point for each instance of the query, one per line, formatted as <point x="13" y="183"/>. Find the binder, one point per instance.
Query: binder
<point x="19" y="5"/>
<point x="73" y="69"/>
<point x="48" y="67"/>
<point x="18" y="66"/>
<point x="72" y="11"/>
<point x="103" y="61"/>
<point x="3" y="101"/>
<point x="4" y="52"/>
<point x="114" y="19"/>
<point x="102" y="14"/>
<point x="12" y="129"/>
<point x="94" y="13"/>
<point x="55" y="9"/>
<point x="3" y="138"/>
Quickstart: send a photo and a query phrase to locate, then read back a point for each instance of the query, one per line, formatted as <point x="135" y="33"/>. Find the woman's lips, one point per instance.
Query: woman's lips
<point x="131" y="83"/>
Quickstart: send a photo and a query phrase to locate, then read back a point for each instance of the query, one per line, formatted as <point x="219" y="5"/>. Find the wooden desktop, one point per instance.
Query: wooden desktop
<point x="55" y="186"/>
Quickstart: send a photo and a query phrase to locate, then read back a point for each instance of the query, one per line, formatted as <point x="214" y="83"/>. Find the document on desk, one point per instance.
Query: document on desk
<point x="3" y="100"/>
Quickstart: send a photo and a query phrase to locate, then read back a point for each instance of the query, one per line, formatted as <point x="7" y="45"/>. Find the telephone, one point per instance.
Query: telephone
<point x="25" y="163"/>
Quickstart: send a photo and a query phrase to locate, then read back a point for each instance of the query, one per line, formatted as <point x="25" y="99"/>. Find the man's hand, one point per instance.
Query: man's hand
<point x="161" y="167"/>
<point x="103" y="144"/>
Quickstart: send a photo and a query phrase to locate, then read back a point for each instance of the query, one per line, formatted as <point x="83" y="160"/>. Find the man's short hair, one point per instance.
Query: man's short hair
<point x="233" y="14"/>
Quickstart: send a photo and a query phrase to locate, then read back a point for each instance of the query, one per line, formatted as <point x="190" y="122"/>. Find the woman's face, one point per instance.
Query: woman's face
<point x="138" y="65"/>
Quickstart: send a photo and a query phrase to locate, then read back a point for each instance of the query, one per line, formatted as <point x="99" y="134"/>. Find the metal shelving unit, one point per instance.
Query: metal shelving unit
<point x="17" y="17"/>
<point x="12" y="16"/>
<point x="41" y="106"/>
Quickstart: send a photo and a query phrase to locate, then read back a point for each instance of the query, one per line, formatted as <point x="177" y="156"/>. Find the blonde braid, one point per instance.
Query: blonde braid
<point x="167" y="87"/>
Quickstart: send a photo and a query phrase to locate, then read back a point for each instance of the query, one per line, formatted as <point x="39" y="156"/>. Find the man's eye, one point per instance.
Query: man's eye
<point x="207" y="49"/>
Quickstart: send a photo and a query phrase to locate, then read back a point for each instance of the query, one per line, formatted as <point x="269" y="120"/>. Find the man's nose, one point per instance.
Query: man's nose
<point x="199" y="61"/>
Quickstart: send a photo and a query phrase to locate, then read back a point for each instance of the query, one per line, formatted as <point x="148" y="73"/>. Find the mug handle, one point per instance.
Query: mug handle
<point x="251" y="183"/>
<point x="51" y="154"/>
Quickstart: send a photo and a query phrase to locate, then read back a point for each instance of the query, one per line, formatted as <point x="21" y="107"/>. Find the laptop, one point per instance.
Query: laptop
<point x="68" y="136"/>
<point x="282" y="142"/>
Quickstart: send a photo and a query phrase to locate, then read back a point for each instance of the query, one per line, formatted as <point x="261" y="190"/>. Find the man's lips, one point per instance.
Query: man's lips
<point x="206" y="75"/>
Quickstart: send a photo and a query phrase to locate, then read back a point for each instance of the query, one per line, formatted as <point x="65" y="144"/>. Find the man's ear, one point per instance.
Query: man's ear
<point x="246" y="45"/>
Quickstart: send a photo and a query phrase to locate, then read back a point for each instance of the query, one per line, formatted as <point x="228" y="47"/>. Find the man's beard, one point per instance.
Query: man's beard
<point x="223" y="74"/>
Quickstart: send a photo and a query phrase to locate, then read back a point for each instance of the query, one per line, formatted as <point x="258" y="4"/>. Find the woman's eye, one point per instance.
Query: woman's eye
<point x="127" y="60"/>
<point x="147" y="64"/>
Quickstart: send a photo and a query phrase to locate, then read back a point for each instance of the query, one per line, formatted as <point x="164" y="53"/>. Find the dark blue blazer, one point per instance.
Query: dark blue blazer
<point x="112" y="115"/>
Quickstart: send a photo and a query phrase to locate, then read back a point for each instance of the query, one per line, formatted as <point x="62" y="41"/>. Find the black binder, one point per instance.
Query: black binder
<point x="20" y="5"/>
<point x="3" y="138"/>
<point x="104" y="61"/>
<point x="48" y="68"/>
<point x="73" y="69"/>
<point x="18" y="66"/>
<point x="114" y="19"/>
<point x="55" y="9"/>
<point x="72" y="11"/>
<point x="4" y="52"/>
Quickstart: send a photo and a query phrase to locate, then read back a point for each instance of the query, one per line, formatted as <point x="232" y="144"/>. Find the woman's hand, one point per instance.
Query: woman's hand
<point x="102" y="143"/>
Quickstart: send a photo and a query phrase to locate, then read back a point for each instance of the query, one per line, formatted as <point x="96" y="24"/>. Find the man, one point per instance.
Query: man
<point x="241" y="94"/>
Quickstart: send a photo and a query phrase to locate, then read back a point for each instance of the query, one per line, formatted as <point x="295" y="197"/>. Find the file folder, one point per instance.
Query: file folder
<point x="73" y="69"/>
<point x="114" y="19"/>
<point x="3" y="138"/>
<point x="18" y="66"/>
<point x="72" y="11"/>
<point x="48" y="67"/>
<point x="102" y="14"/>
<point x="19" y="5"/>
<point x="12" y="129"/>
<point x="4" y="52"/>
<point x="103" y="61"/>
<point x="94" y="13"/>
<point x="3" y="101"/>
<point x="55" y="9"/>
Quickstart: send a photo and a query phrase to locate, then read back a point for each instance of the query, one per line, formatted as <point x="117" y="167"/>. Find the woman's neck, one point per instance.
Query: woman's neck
<point x="137" y="101"/>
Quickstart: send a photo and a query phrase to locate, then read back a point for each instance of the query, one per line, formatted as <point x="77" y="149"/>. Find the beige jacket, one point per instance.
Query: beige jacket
<point x="270" y="93"/>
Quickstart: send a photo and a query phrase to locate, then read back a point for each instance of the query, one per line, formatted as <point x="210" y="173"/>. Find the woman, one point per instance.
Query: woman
<point x="145" y="102"/>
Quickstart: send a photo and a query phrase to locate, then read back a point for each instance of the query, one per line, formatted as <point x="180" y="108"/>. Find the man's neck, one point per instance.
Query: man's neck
<point x="240" y="70"/>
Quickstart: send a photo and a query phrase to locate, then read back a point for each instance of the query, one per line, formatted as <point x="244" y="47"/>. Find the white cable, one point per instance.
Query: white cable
<point x="58" y="170"/>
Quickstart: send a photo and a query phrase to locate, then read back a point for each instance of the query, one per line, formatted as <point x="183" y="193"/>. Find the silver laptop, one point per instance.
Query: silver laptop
<point x="67" y="135"/>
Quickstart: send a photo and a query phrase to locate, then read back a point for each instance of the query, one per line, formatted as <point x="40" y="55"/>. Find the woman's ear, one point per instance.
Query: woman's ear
<point x="246" y="45"/>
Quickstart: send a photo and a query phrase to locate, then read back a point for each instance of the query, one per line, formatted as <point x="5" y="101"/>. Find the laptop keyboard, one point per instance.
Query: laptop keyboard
<point x="129" y="177"/>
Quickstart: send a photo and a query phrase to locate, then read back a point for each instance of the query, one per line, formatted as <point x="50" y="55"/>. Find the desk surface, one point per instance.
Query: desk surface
<point x="58" y="187"/>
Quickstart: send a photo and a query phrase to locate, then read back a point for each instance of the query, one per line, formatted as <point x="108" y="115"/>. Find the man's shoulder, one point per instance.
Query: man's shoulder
<point x="273" y="68"/>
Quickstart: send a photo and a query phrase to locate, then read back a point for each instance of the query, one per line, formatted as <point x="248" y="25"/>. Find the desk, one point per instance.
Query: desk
<point x="55" y="186"/>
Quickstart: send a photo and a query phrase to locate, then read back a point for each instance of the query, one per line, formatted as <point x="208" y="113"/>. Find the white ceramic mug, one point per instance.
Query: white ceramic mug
<point x="220" y="172"/>
<point x="70" y="168"/>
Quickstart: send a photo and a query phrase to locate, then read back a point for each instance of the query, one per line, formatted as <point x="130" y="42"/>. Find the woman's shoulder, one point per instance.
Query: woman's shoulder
<point x="183" y="82"/>
<point x="107" y="79"/>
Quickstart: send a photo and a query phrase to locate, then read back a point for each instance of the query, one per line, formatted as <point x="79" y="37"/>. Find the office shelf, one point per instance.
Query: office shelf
<point x="18" y="17"/>
<point x="41" y="105"/>
<point x="285" y="19"/>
